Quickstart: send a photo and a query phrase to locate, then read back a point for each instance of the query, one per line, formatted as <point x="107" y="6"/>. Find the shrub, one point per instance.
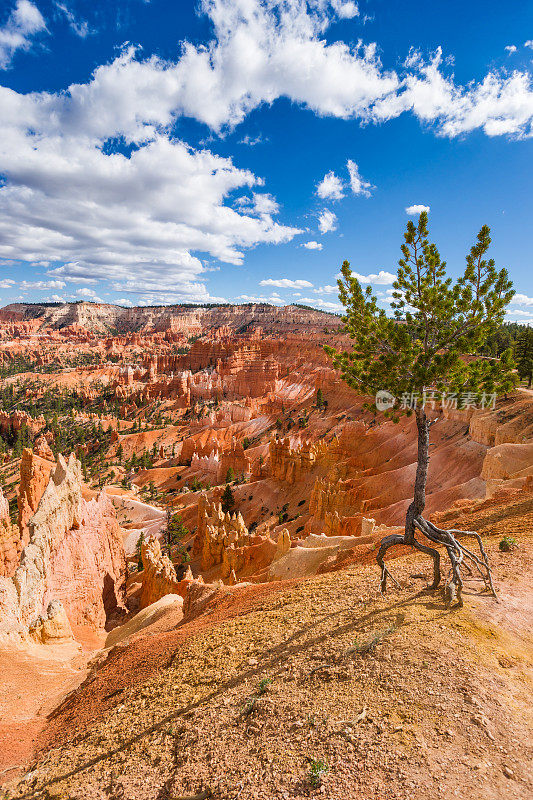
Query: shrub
<point x="317" y="769"/>
<point x="507" y="543"/>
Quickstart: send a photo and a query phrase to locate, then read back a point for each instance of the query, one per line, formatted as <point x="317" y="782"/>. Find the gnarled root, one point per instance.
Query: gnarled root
<point x="460" y="556"/>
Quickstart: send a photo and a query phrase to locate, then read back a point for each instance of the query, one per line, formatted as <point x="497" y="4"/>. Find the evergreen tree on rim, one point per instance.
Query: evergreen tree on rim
<point x="524" y="355"/>
<point x="428" y="349"/>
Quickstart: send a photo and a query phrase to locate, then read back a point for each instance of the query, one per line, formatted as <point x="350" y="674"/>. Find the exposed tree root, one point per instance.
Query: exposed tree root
<point x="460" y="557"/>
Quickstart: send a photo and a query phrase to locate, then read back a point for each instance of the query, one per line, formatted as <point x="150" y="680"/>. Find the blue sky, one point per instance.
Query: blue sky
<point x="164" y="151"/>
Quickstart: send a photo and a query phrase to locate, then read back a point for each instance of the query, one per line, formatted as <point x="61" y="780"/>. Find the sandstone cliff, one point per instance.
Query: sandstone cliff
<point x="10" y="541"/>
<point x="34" y="476"/>
<point x="74" y="555"/>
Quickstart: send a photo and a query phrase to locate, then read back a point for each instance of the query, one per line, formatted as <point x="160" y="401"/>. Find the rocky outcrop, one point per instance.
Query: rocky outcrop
<point x="42" y="449"/>
<point x="234" y="459"/>
<point x="329" y="496"/>
<point x="100" y="317"/>
<point x="53" y="627"/>
<point x="10" y="540"/>
<point x="74" y="555"/>
<point x="158" y="576"/>
<point x="17" y="420"/>
<point x="311" y="553"/>
<point x="288" y="463"/>
<point x="222" y="539"/>
<point x="508" y="462"/>
<point x="510" y="422"/>
<point x="88" y="574"/>
<point x="34" y="476"/>
<point x="168" y="604"/>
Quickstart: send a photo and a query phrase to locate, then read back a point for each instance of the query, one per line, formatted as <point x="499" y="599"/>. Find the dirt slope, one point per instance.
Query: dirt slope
<point x="440" y="706"/>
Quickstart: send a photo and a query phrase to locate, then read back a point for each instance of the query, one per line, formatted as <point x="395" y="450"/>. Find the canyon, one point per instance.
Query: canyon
<point x="183" y="490"/>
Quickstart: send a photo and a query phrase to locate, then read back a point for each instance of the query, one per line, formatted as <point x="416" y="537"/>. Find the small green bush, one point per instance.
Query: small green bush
<point x="317" y="769"/>
<point x="507" y="543"/>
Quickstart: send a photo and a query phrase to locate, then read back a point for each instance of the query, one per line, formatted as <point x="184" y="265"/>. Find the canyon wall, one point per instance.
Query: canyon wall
<point x="74" y="555"/>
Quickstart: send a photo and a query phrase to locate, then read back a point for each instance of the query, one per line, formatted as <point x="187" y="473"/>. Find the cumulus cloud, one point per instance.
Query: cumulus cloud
<point x="327" y="305"/>
<point x="132" y="220"/>
<point x="330" y="187"/>
<point x="138" y="215"/>
<point x="88" y="294"/>
<point x="345" y="8"/>
<point x="285" y="283"/>
<point x="312" y="245"/>
<point x="327" y="221"/>
<point x="529" y="43"/>
<point x="24" y="22"/>
<point x="511" y="48"/>
<point x="522" y="300"/>
<point x="519" y="315"/>
<point x="28" y="285"/>
<point x="328" y="289"/>
<point x="416" y="210"/>
<point x="500" y="104"/>
<point x="358" y="184"/>
<point x="7" y="283"/>
<point x="273" y="299"/>
<point x="380" y="278"/>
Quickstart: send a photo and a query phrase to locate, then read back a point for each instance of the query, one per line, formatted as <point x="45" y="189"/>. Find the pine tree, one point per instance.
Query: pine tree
<point x="524" y="355"/>
<point x="418" y="354"/>
<point x="319" y="399"/>
<point x="230" y="475"/>
<point x="140" y="540"/>
<point x="227" y="500"/>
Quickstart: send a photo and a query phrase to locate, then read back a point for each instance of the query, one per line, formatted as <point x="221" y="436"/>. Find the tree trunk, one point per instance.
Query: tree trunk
<point x="414" y="520"/>
<point x="419" y="499"/>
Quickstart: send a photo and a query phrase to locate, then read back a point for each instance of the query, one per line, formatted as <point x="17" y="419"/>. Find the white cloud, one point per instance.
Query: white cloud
<point x="330" y="187"/>
<point x="522" y="300"/>
<point x="7" y="283"/>
<point x="381" y="278"/>
<point x="529" y="43"/>
<point x="139" y="222"/>
<point x="26" y="285"/>
<point x="246" y="298"/>
<point x="327" y="221"/>
<point x="133" y="221"/>
<point x="312" y="245"/>
<point x="511" y="48"/>
<point x="522" y="315"/>
<point x="80" y="27"/>
<point x="89" y="294"/>
<point x="500" y="104"/>
<point x="251" y="141"/>
<point x="24" y="22"/>
<point x="265" y="205"/>
<point x="285" y="283"/>
<point x="358" y="184"/>
<point x="323" y="304"/>
<point x="328" y="289"/>
<point x="416" y="210"/>
<point x="345" y="8"/>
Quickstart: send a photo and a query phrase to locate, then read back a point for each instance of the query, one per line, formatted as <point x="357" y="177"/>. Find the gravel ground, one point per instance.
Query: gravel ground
<point x="320" y="688"/>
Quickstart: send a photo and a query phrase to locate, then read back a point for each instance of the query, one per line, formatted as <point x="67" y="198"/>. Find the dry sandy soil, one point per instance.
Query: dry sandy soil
<point x="396" y="696"/>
